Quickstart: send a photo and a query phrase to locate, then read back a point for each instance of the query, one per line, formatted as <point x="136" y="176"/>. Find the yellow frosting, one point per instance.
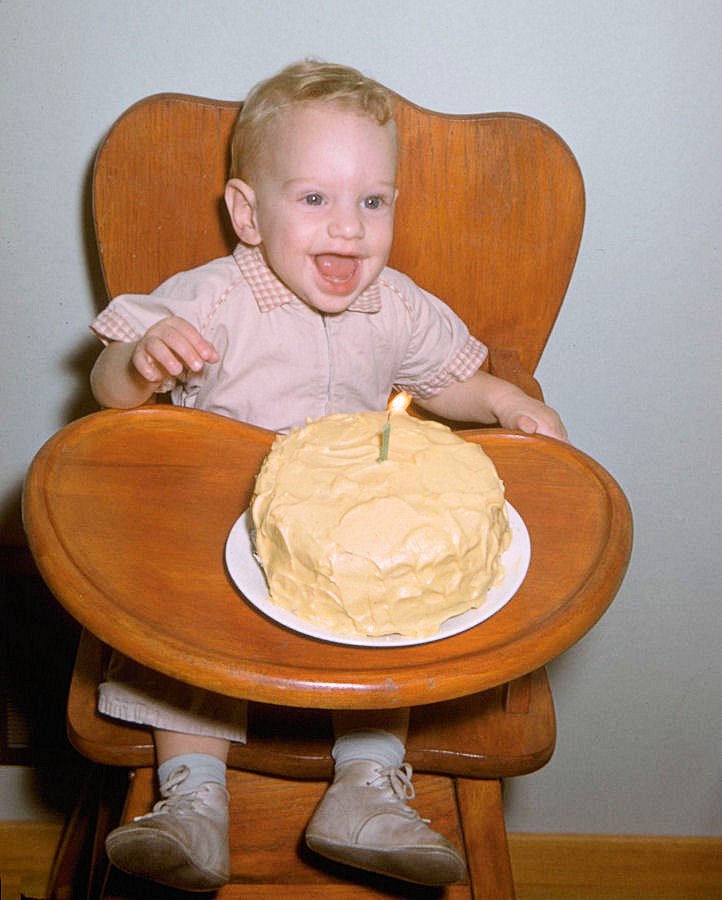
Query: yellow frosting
<point x="357" y="546"/>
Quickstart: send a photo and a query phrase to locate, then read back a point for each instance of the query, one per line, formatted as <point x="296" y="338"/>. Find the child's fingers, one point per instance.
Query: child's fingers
<point x="549" y="426"/>
<point x="527" y="425"/>
<point x="193" y="348"/>
<point x="163" y="355"/>
<point x="547" y="423"/>
<point x="170" y="347"/>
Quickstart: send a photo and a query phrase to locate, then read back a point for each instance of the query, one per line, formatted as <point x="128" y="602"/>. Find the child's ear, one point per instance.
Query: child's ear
<point x="241" y="203"/>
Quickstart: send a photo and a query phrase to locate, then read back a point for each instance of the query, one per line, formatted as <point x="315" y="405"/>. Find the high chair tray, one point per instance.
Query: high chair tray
<point x="128" y="512"/>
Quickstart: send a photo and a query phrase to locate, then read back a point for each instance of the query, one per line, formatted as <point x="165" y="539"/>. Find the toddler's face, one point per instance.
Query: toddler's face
<point x="324" y="203"/>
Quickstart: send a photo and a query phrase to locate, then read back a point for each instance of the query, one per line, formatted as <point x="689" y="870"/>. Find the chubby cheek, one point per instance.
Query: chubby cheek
<point x="292" y="265"/>
<point x="382" y="236"/>
<point x="289" y="243"/>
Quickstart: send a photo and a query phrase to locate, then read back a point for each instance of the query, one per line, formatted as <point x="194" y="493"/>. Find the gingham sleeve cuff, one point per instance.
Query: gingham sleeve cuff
<point x="468" y="360"/>
<point x="111" y="326"/>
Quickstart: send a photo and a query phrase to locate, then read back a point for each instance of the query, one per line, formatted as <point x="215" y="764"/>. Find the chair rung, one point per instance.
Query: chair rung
<point x="268" y="817"/>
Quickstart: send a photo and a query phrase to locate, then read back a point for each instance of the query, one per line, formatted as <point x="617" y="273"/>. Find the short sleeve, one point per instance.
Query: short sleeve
<point x="127" y="318"/>
<point x="439" y="347"/>
<point x="192" y="295"/>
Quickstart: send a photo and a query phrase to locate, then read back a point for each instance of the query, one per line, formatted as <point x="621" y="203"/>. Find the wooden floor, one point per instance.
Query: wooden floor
<point x="616" y="867"/>
<point x="546" y="867"/>
<point x="27" y="850"/>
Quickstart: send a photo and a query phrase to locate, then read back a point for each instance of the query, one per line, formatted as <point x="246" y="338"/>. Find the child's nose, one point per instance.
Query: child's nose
<point x="345" y="222"/>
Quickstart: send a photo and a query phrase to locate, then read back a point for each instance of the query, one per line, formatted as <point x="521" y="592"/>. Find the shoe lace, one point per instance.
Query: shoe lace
<point x="172" y="800"/>
<point x="398" y="778"/>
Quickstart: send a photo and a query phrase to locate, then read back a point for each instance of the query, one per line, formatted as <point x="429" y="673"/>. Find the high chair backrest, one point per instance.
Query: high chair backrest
<point x="489" y="216"/>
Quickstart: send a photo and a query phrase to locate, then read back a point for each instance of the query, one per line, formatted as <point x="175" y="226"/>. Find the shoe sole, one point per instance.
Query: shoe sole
<point x="406" y="864"/>
<point x="158" y="857"/>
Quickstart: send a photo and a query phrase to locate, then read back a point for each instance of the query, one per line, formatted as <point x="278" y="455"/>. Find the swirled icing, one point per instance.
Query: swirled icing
<point x="357" y="546"/>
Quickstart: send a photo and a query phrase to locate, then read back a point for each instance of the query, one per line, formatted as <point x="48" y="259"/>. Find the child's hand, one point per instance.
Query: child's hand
<point x="168" y="348"/>
<point x="523" y="413"/>
<point x="486" y="398"/>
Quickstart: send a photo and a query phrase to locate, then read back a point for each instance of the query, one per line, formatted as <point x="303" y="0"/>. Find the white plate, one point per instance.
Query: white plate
<point x="249" y="578"/>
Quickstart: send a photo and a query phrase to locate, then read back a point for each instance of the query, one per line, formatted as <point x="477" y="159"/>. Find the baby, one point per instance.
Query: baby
<point x="304" y="319"/>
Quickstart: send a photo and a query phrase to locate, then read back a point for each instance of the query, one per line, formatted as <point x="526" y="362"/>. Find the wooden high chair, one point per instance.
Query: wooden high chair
<point x="489" y="218"/>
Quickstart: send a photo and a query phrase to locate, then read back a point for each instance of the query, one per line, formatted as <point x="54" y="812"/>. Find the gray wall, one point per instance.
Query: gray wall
<point x="634" y="362"/>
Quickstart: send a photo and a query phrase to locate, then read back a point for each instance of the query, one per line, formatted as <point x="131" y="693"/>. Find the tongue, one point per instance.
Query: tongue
<point x="335" y="267"/>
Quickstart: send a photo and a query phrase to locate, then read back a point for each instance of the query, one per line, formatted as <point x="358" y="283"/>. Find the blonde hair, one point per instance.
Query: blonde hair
<point x="309" y="81"/>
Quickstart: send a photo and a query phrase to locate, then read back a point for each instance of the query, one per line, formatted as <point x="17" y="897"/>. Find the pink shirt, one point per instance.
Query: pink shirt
<point x="282" y="362"/>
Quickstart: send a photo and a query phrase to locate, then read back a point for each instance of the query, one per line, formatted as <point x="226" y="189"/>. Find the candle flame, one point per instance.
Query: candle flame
<point x="399" y="402"/>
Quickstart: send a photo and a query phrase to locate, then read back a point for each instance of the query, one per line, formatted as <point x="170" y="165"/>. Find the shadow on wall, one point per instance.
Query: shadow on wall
<point x="78" y="362"/>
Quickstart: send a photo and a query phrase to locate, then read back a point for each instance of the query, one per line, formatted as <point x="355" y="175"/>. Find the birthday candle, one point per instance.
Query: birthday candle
<point x="397" y="404"/>
<point x="385" y="435"/>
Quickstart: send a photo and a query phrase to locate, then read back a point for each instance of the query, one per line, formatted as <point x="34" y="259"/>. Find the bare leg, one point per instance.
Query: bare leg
<point x="395" y="721"/>
<point x="172" y="743"/>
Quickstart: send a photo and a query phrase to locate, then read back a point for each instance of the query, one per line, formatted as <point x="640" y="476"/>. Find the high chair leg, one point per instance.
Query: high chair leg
<point x="487" y="851"/>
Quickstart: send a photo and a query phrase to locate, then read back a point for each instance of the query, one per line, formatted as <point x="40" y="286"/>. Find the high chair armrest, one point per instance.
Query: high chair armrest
<point x="507" y="365"/>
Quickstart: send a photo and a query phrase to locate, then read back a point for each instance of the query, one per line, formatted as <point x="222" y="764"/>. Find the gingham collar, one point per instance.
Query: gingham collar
<point x="269" y="292"/>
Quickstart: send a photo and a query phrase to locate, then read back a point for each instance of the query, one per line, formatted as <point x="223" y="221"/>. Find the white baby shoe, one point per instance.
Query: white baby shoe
<point x="182" y="843"/>
<point x="363" y="820"/>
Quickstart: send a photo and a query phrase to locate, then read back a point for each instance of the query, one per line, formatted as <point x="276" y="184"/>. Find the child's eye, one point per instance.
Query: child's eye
<point x="313" y="199"/>
<point x="373" y="202"/>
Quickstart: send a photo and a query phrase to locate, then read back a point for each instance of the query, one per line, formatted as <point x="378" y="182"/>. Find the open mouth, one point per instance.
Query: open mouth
<point x="338" y="270"/>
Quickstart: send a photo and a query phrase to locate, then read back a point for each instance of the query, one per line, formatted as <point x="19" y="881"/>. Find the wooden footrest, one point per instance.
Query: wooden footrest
<point x="269" y="858"/>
